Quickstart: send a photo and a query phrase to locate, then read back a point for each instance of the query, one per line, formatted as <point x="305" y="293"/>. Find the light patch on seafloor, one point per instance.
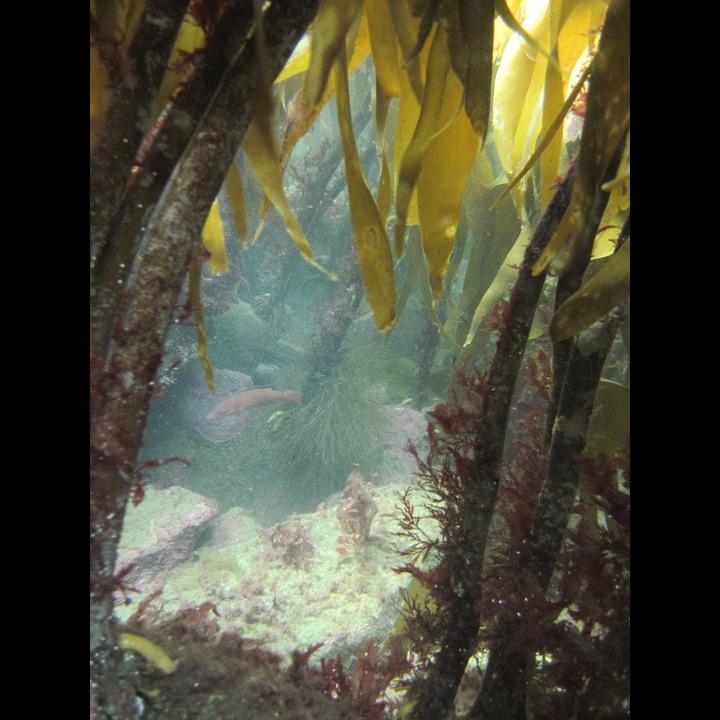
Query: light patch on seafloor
<point x="335" y="590"/>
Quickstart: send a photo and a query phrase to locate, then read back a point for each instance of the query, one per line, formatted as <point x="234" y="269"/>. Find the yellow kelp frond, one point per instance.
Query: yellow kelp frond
<point x="384" y="44"/>
<point x="214" y="241"/>
<point x="298" y="62"/>
<point x="415" y="595"/>
<point x="386" y="59"/>
<point x="552" y="108"/>
<point x="508" y="18"/>
<point x="183" y="58"/>
<point x="385" y="186"/>
<point x="298" y="120"/>
<point x="607" y="119"/>
<point x="196" y="304"/>
<point x="524" y="105"/>
<point x="328" y="32"/>
<point x="259" y="146"/>
<point x="549" y="133"/>
<point x="610" y="420"/>
<point x="100" y="92"/>
<point x="446" y="164"/>
<point x="596" y="298"/>
<point x="236" y="196"/>
<point x="477" y="24"/>
<point x="512" y="83"/>
<point x="373" y="247"/>
<point x="429" y="15"/>
<point x="301" y="114"/>
<point x="437" y="70"/>
<point x="406" y="30"/>
<point x="407" y="118"/>
<point x="149" y="650"/>
<point x="619" y="187"/>
<point x="499" y="287"/>
<point x="469" y="26"/>
<point x="112" y="26"/>
<point x="617" y="208"/>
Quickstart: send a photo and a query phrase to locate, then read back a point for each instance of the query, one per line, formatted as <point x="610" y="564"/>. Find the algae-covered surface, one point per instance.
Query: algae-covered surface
<point x="288" y="586"/>
<point x="257" y="541"/>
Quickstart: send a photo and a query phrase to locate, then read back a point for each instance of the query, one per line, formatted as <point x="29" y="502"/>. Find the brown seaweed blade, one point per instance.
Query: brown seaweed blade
<point x="437" y="70"/>
<point x="329" y="30"/>
<point x="371" y="239"/>
<point x="477" y="21"/>
<point x="597" y="297"/>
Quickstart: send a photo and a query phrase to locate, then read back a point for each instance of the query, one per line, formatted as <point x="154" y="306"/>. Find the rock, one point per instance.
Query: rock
<point x="295" y="584"/>
<point x="233" y="527"/>
<point x="162" y="531"/>
<point x="194" y="405"/>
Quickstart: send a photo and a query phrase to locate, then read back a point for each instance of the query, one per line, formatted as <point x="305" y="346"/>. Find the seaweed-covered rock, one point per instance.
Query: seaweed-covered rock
<point x="162" y="531"/>
<point x="298" y="583"/>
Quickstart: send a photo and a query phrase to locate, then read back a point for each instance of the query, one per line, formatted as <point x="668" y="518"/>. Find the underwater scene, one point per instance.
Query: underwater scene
<point x="360" y="360"/>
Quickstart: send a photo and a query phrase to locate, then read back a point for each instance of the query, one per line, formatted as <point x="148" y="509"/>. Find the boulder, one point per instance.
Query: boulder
<point x="162" y="531"/>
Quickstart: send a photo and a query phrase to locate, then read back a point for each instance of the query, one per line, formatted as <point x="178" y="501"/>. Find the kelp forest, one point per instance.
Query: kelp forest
<point x="359" y="359"/>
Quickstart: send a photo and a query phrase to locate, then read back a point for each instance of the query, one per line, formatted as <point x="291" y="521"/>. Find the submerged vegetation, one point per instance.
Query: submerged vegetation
<point x="478" y="155"/>
<point x="339" y="425"/>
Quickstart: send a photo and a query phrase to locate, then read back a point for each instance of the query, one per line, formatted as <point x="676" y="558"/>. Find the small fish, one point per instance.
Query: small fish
<point x="253" y="397"/>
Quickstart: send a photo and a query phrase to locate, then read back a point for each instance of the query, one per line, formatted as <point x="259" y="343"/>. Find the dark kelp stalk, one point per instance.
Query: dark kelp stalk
<point x="128" y="332"/>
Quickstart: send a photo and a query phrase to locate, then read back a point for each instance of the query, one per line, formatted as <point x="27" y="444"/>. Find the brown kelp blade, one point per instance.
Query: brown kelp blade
<point x="596" y="298"/>
<point x="371" y="241"/>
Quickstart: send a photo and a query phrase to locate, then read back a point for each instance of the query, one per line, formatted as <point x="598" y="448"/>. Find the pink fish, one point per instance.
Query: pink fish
<point x="253" y="397"/>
